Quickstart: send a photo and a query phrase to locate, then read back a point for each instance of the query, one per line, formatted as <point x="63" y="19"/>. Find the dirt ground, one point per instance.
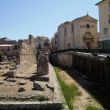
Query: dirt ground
<point x="85" y="99"/>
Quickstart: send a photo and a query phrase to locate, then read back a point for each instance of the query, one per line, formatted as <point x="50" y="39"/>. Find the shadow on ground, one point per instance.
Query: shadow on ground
<point x="101" y="94"/>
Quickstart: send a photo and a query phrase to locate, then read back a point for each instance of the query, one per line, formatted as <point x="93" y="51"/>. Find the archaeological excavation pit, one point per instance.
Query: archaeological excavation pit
<point x="38" y="89"/>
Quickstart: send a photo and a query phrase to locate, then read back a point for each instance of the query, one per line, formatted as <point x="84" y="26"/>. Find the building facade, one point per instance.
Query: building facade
<point x="104" y="20"/>
<point x="9" y="47"/>
<point x="65" y="36"/>
<point x="80" y="33"/>
<point x="42" y="42"/>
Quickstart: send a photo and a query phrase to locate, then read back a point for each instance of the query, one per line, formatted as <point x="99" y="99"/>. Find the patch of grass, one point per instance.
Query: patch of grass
<point x="57" y="70"/>
<point x="93" y="108"/>
<point x="69" y="91"/>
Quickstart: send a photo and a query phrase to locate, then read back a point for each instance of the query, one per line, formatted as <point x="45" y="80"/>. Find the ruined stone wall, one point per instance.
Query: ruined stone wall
<point x="64" y="59"/>
<point x="94" y="68"/>
<point x="27" y="57"/>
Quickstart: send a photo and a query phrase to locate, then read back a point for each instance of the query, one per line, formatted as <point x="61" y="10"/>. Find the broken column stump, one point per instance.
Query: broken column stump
<point x="42" y="67"/>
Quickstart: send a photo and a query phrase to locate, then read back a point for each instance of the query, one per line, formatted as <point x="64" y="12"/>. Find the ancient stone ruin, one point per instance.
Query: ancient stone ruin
<point x="27" y="58"/>
<point x="29" y="83"/>
<point x="42" y="64"/>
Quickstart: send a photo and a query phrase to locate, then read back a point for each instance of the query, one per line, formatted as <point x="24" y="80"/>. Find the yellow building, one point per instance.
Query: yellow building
<point x="80" y="33"/>
<point x="104" y="20"/>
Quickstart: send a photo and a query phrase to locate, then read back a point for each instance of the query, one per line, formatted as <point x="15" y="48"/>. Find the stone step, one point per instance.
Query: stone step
<point x="42" y="78"/>
<point x="43" y="105"/>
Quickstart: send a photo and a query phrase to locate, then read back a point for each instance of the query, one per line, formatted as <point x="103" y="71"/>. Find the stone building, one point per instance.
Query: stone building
<point x="5" y="40"/>
<point x="65" y="36"/>
<point x="42" y="42"/>
<point x="78" y="34"/>
<point x="104" y="20"/>
<point x="9" y="47"/>
<point x="29" y="41"/>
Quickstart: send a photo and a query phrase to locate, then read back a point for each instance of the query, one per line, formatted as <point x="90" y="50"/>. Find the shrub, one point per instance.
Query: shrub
<point x="1" y="54"/>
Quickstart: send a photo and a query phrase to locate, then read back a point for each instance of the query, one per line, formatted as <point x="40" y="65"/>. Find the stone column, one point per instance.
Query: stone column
<point x="42" y="64"/>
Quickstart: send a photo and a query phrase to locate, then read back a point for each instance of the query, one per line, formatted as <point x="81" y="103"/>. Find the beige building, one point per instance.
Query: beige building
<point x="65" y="36"/>
<point x="78" y="34"/>
<point x="104" y="20"/>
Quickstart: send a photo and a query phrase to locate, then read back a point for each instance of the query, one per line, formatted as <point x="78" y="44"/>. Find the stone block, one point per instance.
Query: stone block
<point x="0" y="67"/>
<point x="11" y="80"/>
<point x="42" y="78"/>
<point x="22" y="82"/>
<point x="1" y="82"/>
<point x="11" y="74"/>
<point x="38" y="86"/>
<point x="21" y="89"/>
<point x="50" y="86"/>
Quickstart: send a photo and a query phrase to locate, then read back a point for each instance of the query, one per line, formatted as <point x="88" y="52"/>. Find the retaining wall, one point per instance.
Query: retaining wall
<point x="95" y="68"/>
<point x="65" y="59"/>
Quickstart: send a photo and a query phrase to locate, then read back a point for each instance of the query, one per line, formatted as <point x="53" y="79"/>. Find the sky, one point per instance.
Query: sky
<point x="19" y="18"/>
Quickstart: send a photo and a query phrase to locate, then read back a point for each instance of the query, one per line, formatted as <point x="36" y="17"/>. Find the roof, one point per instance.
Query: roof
<point x="100" y="2"/>
<point x="65" y="23"/>
<point x="84" y="17"/>
<point x="5" y="39"/>
<point x="6" y="45"/>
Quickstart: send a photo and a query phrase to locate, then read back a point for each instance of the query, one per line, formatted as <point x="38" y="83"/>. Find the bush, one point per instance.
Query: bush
<point x="1" y="55"/>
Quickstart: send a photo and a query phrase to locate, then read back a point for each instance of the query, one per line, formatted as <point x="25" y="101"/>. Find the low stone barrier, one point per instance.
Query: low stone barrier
<point x="63" y="59"/>
<point x="44" y="105"/>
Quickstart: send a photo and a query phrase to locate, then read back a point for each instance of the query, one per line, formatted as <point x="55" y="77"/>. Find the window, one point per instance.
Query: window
<point x="109" y="6"/>
<point x="68" y="45"/>
<point x="8" y="49"/>
<point x="109" y="18"/>
<point x="72" y="27"/>
<point x="105" y="30"/>
<point x="82" y="26"/>
<point x="88" y="26"/>
<point x="39" y="46"/>
<point x="65" y="31"/>
<point x="16" y="47"/>
<point x="105" y="44"/>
